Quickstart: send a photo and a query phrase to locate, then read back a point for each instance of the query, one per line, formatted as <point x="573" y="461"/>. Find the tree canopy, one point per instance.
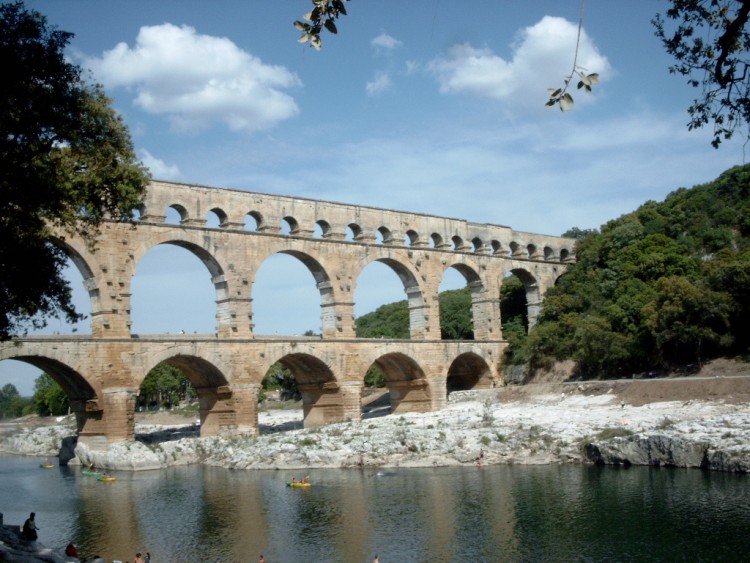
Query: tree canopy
<point x="66" y="163"/>
<point x="661" y="287"/>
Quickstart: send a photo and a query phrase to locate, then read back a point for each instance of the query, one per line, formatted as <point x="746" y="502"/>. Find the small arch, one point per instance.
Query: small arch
<point x="322" y="229"/>
<point x="532" y="251"/>
<point x="497" y="248"/>
<point x="384" y="235"/>
<point x="353" y="231"/>
<point x="221" y="215"/>
<point x="549" y="253"/>
<point x="289" y="225"/>
<point x="436" y="241"/>
<point x="405" y="380"/>
<point x="176" y="214"/>
<point x="254" y="221"/>
<point x="477" y="244"/>
<point x="515" y="249"/>
<point x="458" y="243"/>
<point x="411" y="238"/>
<point x="468" y="371"/>
<point x="213" y="219"/>
<point x="565" y="255"/>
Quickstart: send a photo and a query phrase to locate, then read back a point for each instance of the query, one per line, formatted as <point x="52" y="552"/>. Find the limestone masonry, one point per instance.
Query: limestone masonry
<point x="102" y="372"/>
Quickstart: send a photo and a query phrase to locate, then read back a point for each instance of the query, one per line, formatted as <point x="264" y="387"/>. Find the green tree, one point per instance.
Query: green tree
<point x="164" y="386"/>
<point x="280" y="378"/>
<point x="12" y="404"/>
<point x="66" y="163"/>
<point x="49" y="398"/>
<point x="455" y="315"/>
<point x="664" y="285"/>
<point x="710" y="44"/>
<point x="686" y="319"/>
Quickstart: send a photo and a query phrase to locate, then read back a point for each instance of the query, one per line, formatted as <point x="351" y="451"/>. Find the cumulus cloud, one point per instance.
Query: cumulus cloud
<point x="197" y="80"/>
<point x="385" y="42"/>
<point x="541" y="59"/>
<point x="380" y="83"/>
<point x="159" y="169"/>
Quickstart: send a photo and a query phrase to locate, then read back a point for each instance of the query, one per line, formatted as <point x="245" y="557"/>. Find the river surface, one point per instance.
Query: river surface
<point x="499" y="513"/>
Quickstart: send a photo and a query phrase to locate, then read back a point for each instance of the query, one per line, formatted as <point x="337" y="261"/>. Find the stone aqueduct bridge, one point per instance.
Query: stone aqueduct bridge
<point x="102" y="372"/>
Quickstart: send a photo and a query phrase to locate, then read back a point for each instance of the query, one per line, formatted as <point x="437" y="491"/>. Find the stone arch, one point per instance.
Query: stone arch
<point x="181" y="211"/>
<point x="325" y="228"/>
<point x="533" y="294"/>
<point x="209" y="261"/>
<point x="458" y="242"/>
<point x="406" y="382"/>
<point x="84" y="396"/>
<point x="87" y="273"/>
<point x="532" y="251"/>
<point x="476" y="291"/>
<point x="386" y="233"/>
<point x="414" y="296"/>
<point x="437" y="240"/>
<point x="412" y="237"/>
<point x="321" y="397"/>
<point x="497" y="248"/>
<point x="468" y="371"/>
<point x="210" y="384"/>
<point x="356" y="231"/>
<point x="257" y="216"/>
<point x="221" y="215"/>
<point x="565" y="255"/>
<point x="516" y="250"/>
<point x="324" y="286"/>
<point x="549" y="253"/>
<point x="292" y="223"/>
<point x="477" y="244"/>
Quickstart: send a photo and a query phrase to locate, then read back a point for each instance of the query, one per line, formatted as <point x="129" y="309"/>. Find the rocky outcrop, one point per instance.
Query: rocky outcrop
<point x="475" y="427"/>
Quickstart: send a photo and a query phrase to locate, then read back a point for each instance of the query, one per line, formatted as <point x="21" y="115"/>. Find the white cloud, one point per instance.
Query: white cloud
<point x="160" y="170"/>
<point x="198" y="80"/>
<point x="541" y="59"/>
<point x="385" y="42"/>
<point x="380" y="83"/>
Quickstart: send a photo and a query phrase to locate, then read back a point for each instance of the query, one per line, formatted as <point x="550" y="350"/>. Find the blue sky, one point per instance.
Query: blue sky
<point x="424" y="106"/>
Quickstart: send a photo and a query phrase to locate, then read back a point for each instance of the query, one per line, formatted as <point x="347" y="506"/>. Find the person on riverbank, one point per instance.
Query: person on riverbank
<point x="71" y="550"/>
<point x="138" y="558"/>
<point x="30" y="528"/>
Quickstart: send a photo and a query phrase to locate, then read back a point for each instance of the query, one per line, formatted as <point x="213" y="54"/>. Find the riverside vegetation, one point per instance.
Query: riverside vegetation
<point x="660" y="291"/>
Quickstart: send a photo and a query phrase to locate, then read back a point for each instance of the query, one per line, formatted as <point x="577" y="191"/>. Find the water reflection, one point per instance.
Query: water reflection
<point x="509" y="513"/>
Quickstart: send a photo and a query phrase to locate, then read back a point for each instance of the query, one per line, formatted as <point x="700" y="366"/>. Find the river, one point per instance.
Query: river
<point x="498" y="513"/>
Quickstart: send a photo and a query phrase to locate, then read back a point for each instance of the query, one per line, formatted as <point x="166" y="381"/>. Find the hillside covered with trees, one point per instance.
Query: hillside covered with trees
<point x="662" y="287"/>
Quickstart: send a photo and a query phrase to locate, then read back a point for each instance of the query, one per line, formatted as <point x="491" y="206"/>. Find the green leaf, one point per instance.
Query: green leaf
<point x="330" y="26"/>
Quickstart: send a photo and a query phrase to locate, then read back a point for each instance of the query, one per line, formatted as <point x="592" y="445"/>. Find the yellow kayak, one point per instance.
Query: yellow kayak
<point x="46" y="465"/>
<point x="299" y="485"/>
<point x="107" y="479"/>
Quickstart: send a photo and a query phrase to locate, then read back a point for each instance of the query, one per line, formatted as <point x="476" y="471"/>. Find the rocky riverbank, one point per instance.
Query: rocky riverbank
<point x="605" y="422"/>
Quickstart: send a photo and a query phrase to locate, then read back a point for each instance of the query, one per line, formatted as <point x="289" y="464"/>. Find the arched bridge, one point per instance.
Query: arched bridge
<point x="101" y="373"/>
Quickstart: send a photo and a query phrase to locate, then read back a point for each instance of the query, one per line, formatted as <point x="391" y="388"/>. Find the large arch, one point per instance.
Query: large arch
<point x="406" y="382"/>
<point x="321" y="399"/>
<point x="414" y="294"/>
<point x="206" y="262"/>
<point x="533" y="294"/>
<point x="468" y="371"/>
<point x="323" y="285"/>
